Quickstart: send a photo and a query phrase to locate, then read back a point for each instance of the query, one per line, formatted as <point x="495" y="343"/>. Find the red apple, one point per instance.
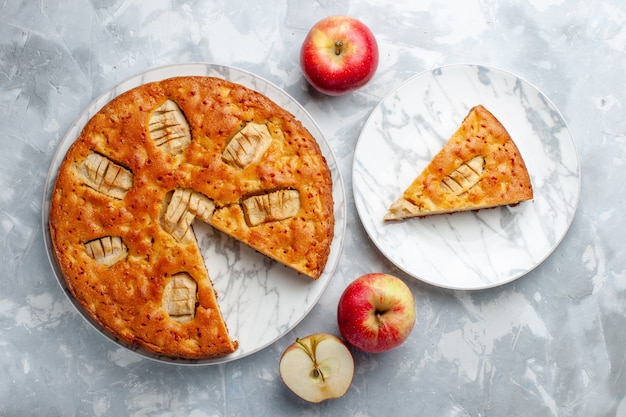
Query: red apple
<point x="376" y="312"/>
<point x="339" y="55"/>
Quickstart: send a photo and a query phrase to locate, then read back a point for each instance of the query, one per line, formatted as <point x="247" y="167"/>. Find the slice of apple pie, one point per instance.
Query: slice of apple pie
<point x="479" y="167"/>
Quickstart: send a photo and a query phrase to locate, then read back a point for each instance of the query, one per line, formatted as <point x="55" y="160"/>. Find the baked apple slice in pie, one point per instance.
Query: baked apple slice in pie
<point x="479" y="167"/>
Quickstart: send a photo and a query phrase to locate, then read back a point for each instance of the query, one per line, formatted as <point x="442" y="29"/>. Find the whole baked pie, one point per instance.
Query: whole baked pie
<point x="147" y="165"/>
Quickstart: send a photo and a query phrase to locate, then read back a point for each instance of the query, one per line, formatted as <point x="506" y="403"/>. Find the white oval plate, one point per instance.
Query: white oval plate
<point x="470" y="250"/>
<point x="260" y="299"/>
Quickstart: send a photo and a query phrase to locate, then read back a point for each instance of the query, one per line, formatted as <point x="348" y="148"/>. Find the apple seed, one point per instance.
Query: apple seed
<point x="316" y="372"/>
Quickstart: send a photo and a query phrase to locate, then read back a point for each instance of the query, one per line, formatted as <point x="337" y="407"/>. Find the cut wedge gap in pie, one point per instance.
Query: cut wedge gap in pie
<point x="479" y="167"/>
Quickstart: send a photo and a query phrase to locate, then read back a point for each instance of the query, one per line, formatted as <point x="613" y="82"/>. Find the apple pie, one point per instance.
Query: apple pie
<point x="479" y="167"/>
<point x="151" y="162"/>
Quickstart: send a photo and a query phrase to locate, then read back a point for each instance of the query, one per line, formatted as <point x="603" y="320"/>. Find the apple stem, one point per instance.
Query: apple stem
<point x="338" y="47"/>
<point x="378" y="316"/>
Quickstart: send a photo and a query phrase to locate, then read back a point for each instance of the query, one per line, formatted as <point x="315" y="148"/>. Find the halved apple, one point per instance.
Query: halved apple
<point x="317" y="367"/>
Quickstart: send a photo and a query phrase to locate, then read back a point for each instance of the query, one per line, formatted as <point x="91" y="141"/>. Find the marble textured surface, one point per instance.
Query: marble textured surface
<point x="472" y="250"/>
<point x="548" y="344"/>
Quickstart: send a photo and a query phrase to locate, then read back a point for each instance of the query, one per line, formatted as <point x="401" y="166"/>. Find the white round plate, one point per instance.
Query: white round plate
<point x="260" y="299"/>
<point x="469" y="250"/>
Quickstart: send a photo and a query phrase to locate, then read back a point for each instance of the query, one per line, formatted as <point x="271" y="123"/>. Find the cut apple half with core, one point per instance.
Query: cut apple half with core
<point x="317" y="367"/>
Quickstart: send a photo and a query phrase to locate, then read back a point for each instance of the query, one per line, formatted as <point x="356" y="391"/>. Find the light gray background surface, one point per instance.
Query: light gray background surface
<point x="551" y="343"/>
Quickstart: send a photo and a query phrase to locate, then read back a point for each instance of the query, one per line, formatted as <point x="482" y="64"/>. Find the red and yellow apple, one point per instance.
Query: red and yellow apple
<point x="376" y="312"/>
<point x="317" y="367"/>
<point x="339" y="55"/>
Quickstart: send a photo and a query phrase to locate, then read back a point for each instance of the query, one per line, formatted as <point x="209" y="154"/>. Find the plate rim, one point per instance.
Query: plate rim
<point x="133" y="81"/>
<point x="553" y="108"/>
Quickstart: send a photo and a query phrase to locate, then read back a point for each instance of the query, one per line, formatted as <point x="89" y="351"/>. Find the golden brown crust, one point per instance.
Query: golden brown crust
<point x="127" y="137"/>
<point x="479" y="167"/>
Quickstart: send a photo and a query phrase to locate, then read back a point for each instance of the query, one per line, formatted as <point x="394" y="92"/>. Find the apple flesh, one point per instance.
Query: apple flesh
<point x="317" y="367"/>
<point x="376" y="312"/>
<point x="339" y="55"/>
